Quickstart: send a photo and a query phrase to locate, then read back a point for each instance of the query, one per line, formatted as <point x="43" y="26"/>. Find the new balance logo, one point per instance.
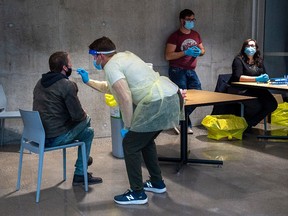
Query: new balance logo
<point x="130" y="197"/>
<point x="149" y="184"/>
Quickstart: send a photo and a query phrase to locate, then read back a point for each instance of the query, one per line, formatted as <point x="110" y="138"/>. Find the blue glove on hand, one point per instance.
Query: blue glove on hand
<point x="123" y="132"/>
<point x="262" y="78"/>
<point x="193" y="51"/>
<point x="84" y="74"/>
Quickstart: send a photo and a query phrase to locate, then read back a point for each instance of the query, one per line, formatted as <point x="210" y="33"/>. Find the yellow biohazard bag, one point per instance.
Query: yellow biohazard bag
<point x="280" y="117"/>
<point x="224" y="126"/>
<point x="110" y="100"/>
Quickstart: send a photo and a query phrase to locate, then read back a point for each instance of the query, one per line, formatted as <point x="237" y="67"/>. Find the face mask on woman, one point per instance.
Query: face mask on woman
<point x="250" y="51"/>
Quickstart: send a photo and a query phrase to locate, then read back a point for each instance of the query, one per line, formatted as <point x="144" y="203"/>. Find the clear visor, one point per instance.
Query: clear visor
<point x="94" y="52"/>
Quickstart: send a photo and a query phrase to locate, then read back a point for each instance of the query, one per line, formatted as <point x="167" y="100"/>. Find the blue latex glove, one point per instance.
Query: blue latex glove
<point x="84" y="74"/>
<point x="262" y="78"/>
<point x="193" y="51"/>
<point x="123" y="132"/>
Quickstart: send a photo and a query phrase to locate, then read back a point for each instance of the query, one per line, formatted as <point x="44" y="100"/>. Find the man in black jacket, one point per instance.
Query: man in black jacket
<point x="64" y="120"/>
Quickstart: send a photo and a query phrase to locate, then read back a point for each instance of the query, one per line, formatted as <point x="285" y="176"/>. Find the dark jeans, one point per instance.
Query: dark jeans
<point x="185" y="79"/>
<point x="135" y="145"/>
<point x="82" y="132"/>
<point x="254" y="110"/>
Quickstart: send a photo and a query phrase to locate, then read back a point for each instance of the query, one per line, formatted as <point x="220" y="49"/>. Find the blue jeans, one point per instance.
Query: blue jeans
<point x="82" y="132"/>
<point x="185" y="79"/>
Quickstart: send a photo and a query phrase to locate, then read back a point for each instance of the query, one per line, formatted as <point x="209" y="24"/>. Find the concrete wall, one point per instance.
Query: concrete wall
<point x="32" y="30"/>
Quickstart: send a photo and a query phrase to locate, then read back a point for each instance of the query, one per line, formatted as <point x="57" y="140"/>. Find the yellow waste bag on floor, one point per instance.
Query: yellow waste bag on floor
<point x="224" y="126"/>
<point x="280" y="117"/>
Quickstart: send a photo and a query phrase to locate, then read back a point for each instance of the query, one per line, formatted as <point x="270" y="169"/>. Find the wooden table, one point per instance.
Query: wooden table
<point x="263" y="86"/>
<point x="197" y="98"/>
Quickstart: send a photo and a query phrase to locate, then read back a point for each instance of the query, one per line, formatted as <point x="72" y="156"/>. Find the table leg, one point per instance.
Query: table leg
<point x="242" y="109"/>
<point x="184" y="149"/>
<point x="272" y="137"/>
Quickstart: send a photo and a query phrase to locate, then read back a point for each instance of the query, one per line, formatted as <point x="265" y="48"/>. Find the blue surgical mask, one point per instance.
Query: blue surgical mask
<point x="250" y="51"/>
<point x="97" y="66"/>
<point x="189" y="25"/>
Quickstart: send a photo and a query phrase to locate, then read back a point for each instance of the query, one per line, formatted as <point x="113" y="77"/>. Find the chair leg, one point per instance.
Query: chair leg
<point x="2" y="130"/>
<point x="64" y="164"/>
<point x="40" y="166"/>
<point x="20" y="168"/>
<point x="265" y="124"/>
<point x="84" y="161"/>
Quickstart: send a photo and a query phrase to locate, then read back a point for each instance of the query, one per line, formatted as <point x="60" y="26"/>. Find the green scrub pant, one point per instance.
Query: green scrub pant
<point x="136" y="144"/>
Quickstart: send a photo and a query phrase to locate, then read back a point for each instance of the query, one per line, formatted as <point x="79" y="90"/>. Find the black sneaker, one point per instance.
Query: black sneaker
<point x="90" y="161"/>
<point x="79" y="180"/>
<point x="131" y="197"/>
<point x="158" y="187"/>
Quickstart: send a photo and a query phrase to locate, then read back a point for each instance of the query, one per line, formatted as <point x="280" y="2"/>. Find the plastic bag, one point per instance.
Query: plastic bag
<point x="110" y="100"/>
<point x="224" y="126"/>
<point x="280" y="117"/>
<point x="114" y="108"/>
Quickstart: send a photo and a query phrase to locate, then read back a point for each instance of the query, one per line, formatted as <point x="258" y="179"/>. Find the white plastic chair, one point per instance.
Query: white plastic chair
<point x="5" y="114"/>
<point x="33" y="139"/>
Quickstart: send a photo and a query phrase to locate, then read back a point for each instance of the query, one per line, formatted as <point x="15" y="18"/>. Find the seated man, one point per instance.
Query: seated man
<point x="64" y="120"/>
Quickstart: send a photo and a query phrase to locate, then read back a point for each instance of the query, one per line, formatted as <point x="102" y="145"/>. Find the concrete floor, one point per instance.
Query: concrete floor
<point x="252" y="181"/>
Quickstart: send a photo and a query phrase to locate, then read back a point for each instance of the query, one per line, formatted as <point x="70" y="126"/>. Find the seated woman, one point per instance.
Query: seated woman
<point x="248" y="66"/>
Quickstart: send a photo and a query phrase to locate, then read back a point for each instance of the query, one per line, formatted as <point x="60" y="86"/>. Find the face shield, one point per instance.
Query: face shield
<point x="95" y="53"/>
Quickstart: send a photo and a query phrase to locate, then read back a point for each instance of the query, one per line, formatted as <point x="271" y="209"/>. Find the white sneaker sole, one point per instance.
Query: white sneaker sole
<point x="132" y="202"/>
<point x="190" y="131"/>
<point x="155" y="190"/>
<point x="176" y="130"/>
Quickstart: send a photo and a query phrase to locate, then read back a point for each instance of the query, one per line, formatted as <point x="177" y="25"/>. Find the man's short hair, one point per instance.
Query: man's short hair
<point x="57" y="60"/>
<point x="186" y="12"/>
<point x="102" y="44"/>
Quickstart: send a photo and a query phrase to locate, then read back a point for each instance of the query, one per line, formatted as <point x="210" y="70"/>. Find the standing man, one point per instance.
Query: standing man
<point x="133" y="82"/>
<point x="182" y="49"/>
<point x="64" y="120"/>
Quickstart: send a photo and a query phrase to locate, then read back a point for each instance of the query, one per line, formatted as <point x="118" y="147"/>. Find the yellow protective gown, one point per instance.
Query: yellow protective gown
<point x="132" y="81"/>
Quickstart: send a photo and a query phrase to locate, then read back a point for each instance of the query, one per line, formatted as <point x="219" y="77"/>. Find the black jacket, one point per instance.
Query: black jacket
<point x="55" y="97"/>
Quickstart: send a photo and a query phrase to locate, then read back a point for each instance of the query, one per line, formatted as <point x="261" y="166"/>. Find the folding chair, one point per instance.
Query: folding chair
<point x="5" y="114"/>
<point x="33" y="139"/>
